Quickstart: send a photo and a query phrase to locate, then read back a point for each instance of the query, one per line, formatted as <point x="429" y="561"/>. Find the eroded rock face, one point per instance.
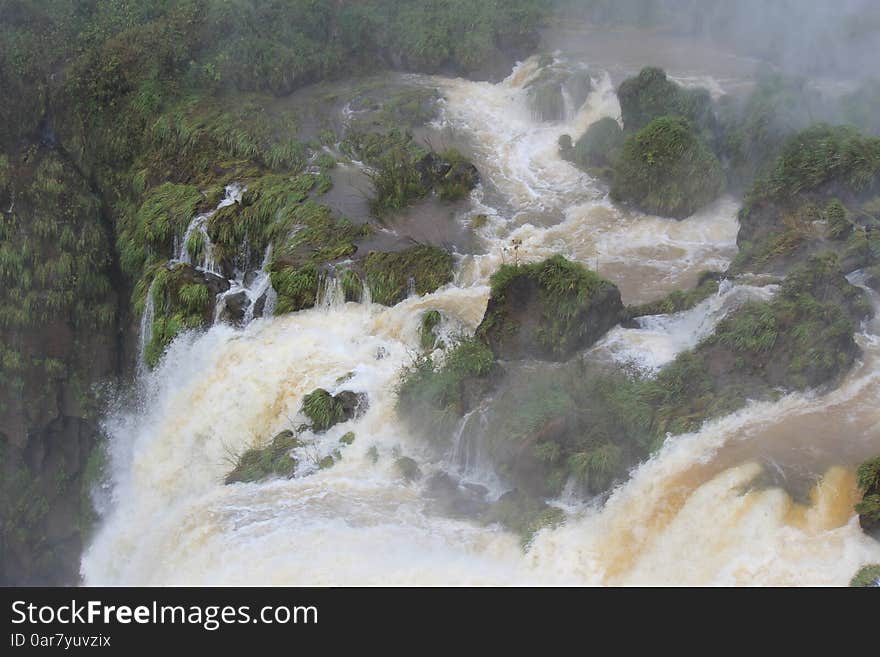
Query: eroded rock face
<point x="548" y="310"/>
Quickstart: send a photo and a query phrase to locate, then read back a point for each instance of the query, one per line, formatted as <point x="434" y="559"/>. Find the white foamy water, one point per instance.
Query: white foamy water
<point x="659" y="338"/>
<point x="696" y="513"/>
<point x="556" y="208"/>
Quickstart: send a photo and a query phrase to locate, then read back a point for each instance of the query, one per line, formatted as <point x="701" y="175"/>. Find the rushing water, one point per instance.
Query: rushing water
<point x="708" y="508"/>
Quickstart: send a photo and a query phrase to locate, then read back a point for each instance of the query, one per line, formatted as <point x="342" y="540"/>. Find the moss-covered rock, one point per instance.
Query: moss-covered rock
<point x="316" y="240"/>
<point x="183" y="298"/>
<point x="326" y="410"/>
<point x="547" y="310"/>
<point x="599" y="147"/>
<point x="272" y="460"/>
<point x="524" y="515"/>
<point x="868" y="508"/>
<point x="450" y="386"/>
<point x="666" y="169"/>
<point x="420" y="269"/>
<point x="867" y="577"/>
<point x="822" y="193"/>
<point x="651" y="95"/>
<point x="802" y="338"/>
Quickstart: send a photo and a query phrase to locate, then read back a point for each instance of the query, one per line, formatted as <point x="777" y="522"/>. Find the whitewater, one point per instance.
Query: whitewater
<point x="707" y="508"/>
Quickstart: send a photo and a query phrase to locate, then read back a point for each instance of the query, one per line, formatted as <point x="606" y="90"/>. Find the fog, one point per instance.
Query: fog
<point x="817" y="38"/>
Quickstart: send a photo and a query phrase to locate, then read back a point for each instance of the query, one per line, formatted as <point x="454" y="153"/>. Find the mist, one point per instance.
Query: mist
<point x="822" y="38"/>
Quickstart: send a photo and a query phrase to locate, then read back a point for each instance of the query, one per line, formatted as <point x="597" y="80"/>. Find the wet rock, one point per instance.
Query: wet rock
<point x="408" y="469"/>
<point x="234" y="307"/>
<point x="326" y="410"/>
<point x="547" y="310"/>
<point x="451" y="498"/>
<point x="353" y="404"/>
<point x="556" y="91"/>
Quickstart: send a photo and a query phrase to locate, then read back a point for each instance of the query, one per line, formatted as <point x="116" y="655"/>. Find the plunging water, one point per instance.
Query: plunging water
<point x="701" y="511"/>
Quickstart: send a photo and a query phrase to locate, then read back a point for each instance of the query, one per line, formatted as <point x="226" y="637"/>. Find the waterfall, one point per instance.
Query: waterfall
<point x="330" y="294"/>
<point x="146" y="327"/>
<point x="696" y="512"/>
<point x="198" y="227"/>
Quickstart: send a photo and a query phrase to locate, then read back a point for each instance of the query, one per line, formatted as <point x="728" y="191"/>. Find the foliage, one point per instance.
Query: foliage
<point x="651" y="95"/>
<point x="818" y="156"/>
<point x="868" y="576"/>
<point x="427" y="334"/>
<point x="422" y="268"/>
<point x="322" y="409"/>
<point x="666" y="169"/>
<point x="271" y="460"/>
<point x="564" y="292"/>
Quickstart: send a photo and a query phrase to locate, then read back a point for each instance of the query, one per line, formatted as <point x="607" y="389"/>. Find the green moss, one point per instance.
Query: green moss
<point x="272" y="460"/>
<point x="548" y="305"/>
<point x="666" y="169"/>
<point x="868" y="475"/>
<point x="524" y="516"/>
<point x="318" y="239"/>
<point x="599" y="146"/>
<point x="868" y="508"/>
<point x="391" y="275"/>
<point x="347" y="438"/>
<point x="146" y="236"/>
<point x="868" y="576"/>
<point x="322" y="409"/>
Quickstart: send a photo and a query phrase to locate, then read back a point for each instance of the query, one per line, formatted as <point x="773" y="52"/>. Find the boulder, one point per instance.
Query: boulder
<point x="548" y="310"/>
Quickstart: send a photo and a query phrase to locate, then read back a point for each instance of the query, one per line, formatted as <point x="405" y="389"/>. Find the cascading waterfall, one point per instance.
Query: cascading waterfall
<point x="146" y="327"/>
<point x="198" y="225"/>
<point x="695" y="513"/>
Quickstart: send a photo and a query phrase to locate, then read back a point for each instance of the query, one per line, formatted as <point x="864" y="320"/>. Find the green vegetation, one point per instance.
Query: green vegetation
<point x="524" y="516"/>
<point x="666" y="169"/>
<point x="868" y="476"/>
<point x="272" y="460"/>
<point x="323" y="409"/>
<point x="421" y="268"/>
<point x="755" y="129"/>
<point x="183" y="298"/>
<point x="581" y="422"/>
<point x="599" y="147"/>
<point x="821" y="193"/>
<point x="547" y="310"/>
<point x="868" y="576"/>
<point x="427" y="329"/>
<point x="403" y="172"/>
<point x="650" y="96"/>
<point x="434" y="394"/>
<point x="818" y="156"/>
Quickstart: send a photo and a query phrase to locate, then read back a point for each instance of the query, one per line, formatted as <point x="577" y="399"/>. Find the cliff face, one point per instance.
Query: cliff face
<point x="59" y="324"/>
